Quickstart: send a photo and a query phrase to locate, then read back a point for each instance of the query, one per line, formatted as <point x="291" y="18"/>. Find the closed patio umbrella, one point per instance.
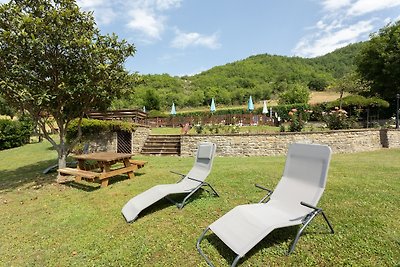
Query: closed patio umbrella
<point x="265" y="109"/>
<point x="173" y="110"/>
<point x="250" y="105"/>
<point x="212" y="108"/>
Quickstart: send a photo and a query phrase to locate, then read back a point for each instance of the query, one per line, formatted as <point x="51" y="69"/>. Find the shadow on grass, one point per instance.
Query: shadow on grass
<point x="164" y="202"/>
<point x="33" y="173"/>
<point x="96" y="185"/>
<point x="12" y="179"/>
<point x="276" y="237"/>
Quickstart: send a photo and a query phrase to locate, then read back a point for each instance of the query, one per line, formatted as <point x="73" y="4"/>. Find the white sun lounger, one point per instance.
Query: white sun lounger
<point x="188" y="184"/>
<point x="292" y="203"/>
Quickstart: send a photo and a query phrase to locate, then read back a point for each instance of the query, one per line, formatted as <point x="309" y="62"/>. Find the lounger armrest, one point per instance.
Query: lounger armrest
<point x="193" y="179"/>
<point x="263" y="188"/>
<point x="310" y="206"/>
<point x="181" y="174"/>
<point x="266" y="189"/>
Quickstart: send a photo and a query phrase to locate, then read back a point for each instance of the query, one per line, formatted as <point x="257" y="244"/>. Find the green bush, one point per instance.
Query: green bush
<point x="337" y="119"/>
<point x="14" y="133"/>
<point x="92" y="127"/>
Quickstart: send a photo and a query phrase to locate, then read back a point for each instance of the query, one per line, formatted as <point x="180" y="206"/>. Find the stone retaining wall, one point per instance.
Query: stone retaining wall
<point x="101" y="142"/>
<point x="393" y="138"/>
<point x="139" y="138"/>
<point x="271" y="144"/>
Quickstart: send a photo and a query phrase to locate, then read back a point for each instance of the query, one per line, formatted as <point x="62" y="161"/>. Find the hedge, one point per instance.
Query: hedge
<point x="92" y="127"/>
<point x="14" y="133"/>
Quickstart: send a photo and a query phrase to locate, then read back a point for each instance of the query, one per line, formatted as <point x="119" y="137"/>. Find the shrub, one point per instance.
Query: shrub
<point x="14" y="133"/>
<point x="296" y="120"/>
<point x="295" y="94"/>
<point x="92" y="127"/>
<point x="337" y="119"/>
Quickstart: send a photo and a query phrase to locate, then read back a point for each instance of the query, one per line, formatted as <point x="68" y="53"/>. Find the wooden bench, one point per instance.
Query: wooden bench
<point x="79" y="173"/>
<point x="138" y="163"/>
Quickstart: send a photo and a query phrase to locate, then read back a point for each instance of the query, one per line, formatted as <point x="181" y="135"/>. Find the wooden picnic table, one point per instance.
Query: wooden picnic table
<point x="104" y="162"/>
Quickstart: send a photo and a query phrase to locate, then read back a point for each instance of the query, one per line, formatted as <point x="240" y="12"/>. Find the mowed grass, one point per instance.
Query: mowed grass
<point x="47" y="224"/>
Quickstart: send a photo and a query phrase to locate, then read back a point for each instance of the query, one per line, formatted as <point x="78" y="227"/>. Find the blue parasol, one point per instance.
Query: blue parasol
<point x="212" y="108"/>
<point x="250" y="105"/>
<point x="173" y="110"/>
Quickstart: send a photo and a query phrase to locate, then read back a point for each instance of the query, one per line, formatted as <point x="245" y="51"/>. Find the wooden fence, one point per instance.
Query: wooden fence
<point x="141" y="118"/>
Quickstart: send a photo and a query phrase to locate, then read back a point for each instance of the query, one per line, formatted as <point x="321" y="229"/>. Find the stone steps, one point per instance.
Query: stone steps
<point x="162" y="145"/>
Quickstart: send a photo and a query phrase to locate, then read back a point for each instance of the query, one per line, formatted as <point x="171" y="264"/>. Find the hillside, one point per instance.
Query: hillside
<point x="262" y="76"/>
<point x="260" y="69"/>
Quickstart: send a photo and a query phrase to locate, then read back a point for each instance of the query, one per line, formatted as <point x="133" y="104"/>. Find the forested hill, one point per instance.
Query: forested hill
<point x="262" y="76"/>
<point x="259" y="69"/>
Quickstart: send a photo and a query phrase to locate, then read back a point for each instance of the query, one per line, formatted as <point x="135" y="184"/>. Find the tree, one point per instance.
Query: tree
<point x="351" y="83"/>
<point x="318" y="83"/>
<point x="379" y="62"/>
<point x="55" y="64"/>
<point x="294" y="95"/>
<point x="152" y="100"/>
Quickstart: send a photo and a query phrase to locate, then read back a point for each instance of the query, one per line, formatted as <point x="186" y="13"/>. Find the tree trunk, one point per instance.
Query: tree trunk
<point x="62" y="160"/>
<point x="341" y="99"/>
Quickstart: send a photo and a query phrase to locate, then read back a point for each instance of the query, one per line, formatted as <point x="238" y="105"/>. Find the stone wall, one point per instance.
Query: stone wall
<point x="393" y="138"/>
<point x="139" y="138"/>
<point x="271" y="144"/>
<point x="101" y="142"/>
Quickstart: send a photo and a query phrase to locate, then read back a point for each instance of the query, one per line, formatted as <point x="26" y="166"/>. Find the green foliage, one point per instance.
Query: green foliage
<point x="297" y="119"/>
<point x="6" y="109"/>
<point x="261" y="76"/>
<point x="55" y="63"/>
<point x="337" y="119"/>
<point x="283" y="110"/>
<point x="360" y="102"/>
<point x="92" y="127"/>
<point x="295" y="94"/>
<point x="156" y="114"/>
<point x="318" y="83"/>
<point x="379" y="62"/>
<point x="15" y="133"/>
<point x="151" y="100"/>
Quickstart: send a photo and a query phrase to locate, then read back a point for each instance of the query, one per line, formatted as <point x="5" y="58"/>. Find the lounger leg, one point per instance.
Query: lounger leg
<point x="311" y="217"/>
<point x="199" y="249"/>
<point x="301" y="231"/>
<point x="180" y="205"/>
<point x="215" y="192"/>
<point x="327" y="221"/>
<point x="236" y="261"/>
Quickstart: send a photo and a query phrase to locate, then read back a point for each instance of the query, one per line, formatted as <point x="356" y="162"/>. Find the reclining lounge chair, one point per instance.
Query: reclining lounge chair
<point x="292" y="203"/>
<point x="188" y="184"/>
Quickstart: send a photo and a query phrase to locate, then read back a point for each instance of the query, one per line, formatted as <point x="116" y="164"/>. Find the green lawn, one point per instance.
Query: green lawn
<point x="47" y="224"/>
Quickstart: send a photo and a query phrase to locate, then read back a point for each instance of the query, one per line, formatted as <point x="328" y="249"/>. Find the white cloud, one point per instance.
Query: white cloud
<point x="361" y="7"/>
<point x="333" y="5"/>
<point x="147" y="23"/>
<point x="343" y="22"/>
<point x="326" y="42"/>
<point x="183" y="40"/>
<point x="90" y="3"/>
<point x="167" y="4"/>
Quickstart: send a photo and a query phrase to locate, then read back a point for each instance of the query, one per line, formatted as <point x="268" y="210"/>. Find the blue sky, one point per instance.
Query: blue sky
<point x="185" y="37"/>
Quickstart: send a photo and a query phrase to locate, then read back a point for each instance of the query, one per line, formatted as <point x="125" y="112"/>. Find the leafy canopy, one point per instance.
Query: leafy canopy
<point x="54" y="62"/>
<point x="379" y="62"/>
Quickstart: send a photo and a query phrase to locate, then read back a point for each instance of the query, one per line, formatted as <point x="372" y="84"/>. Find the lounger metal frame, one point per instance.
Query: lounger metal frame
<point x="180" y="205"/>
<point x="306" y="221"/>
